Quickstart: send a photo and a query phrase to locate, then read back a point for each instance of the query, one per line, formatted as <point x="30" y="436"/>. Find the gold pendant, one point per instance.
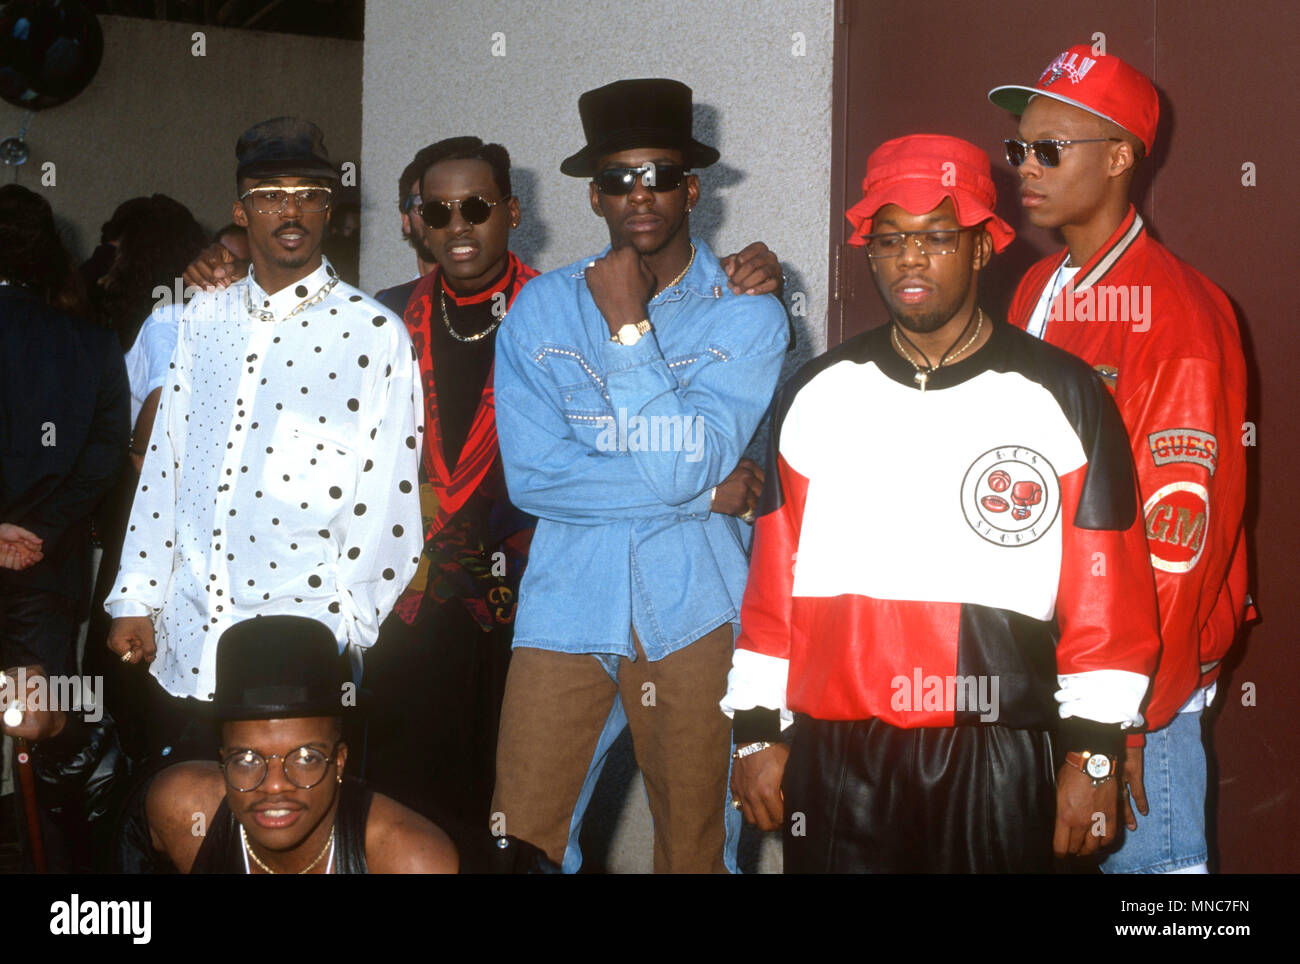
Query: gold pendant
<point x="922" y="378"/>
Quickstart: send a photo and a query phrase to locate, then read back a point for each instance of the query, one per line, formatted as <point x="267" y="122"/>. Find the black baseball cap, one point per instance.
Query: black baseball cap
<point x="283" y="147"/>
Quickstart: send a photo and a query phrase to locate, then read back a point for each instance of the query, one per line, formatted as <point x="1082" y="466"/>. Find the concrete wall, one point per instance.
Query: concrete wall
<point x="761" y="72"/>
<point x="156" y="118"/>
<point x="762" y="97"/>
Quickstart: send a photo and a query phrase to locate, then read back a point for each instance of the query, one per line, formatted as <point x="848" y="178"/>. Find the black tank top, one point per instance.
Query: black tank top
<point x="222" y="851"/>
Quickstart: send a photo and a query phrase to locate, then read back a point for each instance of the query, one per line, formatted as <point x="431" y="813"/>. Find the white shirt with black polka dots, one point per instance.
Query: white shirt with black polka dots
<point x="281" y="475"/>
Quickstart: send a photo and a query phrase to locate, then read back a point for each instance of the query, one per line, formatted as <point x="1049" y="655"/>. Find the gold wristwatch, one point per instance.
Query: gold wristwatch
<point x="629" y="335"/>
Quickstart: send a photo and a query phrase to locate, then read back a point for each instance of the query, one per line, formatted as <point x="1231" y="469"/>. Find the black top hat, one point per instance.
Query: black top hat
<point x="280" y="667"/>
<point x="636" y="113"/>
<point x="283" y="147"/>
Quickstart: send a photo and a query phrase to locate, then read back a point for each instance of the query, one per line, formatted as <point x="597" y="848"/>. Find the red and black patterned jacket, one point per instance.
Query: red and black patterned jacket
<point x="920" y="554"/>
<point x="1165" y="340"/>
<point x="476" y="541"/>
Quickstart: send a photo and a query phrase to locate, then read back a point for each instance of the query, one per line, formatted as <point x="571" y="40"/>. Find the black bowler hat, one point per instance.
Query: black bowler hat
<point x="283" y="147"/>
<point x="280" y="667"/>
<point x="636" y="113"/>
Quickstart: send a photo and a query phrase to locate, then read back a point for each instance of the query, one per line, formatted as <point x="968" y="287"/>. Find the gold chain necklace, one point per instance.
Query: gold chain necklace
<point x="263" y="315"/>
<point x="329" y="844"/>
<point x="923" y="374"/>
<point x="442" y="302"/>
<point x="679" y="277"/>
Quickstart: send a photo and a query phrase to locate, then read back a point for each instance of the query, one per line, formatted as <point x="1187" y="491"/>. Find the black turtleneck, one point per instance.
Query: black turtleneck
<point x="460" y="369"/>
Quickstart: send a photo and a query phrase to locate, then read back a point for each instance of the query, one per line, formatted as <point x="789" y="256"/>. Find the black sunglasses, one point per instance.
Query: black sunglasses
<point x="617" y="181"/>
<point x="475" y="210"/>
<point x="1048" y="151"/>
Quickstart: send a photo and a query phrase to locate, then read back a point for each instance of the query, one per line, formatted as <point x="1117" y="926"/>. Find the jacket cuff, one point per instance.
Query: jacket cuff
<point x="1135" y="739"/>
<point x="755" y="725"/>
<point x="1078" y="734"/>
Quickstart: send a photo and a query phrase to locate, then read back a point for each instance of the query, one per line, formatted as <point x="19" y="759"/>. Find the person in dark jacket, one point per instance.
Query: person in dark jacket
<point x="63" y="437"/>
<point x="64" y="406"/>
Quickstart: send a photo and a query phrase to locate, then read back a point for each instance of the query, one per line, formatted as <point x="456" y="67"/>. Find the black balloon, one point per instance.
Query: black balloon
<point x="49" y="51"/>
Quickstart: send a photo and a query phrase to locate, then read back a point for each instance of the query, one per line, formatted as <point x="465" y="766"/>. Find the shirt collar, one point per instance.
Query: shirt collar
<point x="289" y="298"/>
<point x="1108" y="255"/>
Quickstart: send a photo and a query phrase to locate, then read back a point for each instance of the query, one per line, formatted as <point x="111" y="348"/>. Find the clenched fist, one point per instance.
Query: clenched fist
<point x="131" y="637"/>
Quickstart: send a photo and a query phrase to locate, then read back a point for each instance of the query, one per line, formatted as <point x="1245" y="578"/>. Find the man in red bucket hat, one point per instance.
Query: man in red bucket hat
<point x="923" y="602"/>
<point x="1165" y="341"/>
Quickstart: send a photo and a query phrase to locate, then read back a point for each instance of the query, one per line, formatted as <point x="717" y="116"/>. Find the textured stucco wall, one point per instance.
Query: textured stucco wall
<point x="762" y="97"/>
<point x="156" y="118"/>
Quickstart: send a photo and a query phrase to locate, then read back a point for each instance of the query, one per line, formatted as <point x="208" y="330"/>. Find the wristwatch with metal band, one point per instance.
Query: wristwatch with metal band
<point x="629" y="335"/>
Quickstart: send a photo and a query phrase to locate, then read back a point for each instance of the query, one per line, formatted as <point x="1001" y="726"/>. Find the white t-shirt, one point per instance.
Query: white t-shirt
<point x="148" y="358"/>
<point x="1038" y="320"/>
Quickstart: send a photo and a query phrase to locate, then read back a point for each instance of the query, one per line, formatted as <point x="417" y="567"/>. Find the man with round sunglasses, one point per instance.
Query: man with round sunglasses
<point x="1165" y="341"/>
<point x="278" y="801"/>
<point x="923" y="595"/>
<point x="628" y="385"/>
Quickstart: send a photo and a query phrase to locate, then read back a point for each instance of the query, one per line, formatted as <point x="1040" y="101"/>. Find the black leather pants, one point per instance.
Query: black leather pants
<point x="867" y="797"/>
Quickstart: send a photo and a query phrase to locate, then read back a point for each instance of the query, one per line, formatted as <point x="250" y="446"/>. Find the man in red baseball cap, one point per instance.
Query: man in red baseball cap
<point x="923" y="603"/>
<point x="1164" y="340"/>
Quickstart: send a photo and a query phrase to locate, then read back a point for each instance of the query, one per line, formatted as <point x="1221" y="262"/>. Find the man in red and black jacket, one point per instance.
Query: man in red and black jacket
<point x="943" y="588"/>
<point x="1165" y="341"/>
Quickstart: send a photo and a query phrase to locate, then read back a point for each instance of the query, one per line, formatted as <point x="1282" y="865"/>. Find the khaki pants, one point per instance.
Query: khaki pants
<point x="555" y="707"/>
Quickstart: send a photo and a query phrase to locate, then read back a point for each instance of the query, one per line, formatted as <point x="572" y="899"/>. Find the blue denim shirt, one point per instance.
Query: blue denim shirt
<point x="616" y="450"/>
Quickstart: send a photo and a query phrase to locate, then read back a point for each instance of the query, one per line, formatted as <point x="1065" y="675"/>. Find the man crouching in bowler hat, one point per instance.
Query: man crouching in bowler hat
<point x="278" y="802"/>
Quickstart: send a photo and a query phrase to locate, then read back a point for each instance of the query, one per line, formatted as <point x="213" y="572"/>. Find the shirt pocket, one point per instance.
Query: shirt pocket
<point x="311" y="476"/>
<point x="685" y="367"/>
<point x="579" y="392"/>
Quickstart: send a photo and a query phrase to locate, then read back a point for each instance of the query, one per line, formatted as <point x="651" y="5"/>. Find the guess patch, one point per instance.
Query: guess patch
<point x="1184" y="445"/>
<point x="1177" y="516"/>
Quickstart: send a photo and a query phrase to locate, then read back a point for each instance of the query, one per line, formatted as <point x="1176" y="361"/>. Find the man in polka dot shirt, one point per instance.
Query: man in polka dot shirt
<point x="280" y="477"/>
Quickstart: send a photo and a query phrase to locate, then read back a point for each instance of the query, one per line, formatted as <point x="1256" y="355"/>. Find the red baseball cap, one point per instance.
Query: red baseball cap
<point x="917" y="172"/>
<point x="1098" y="83"/>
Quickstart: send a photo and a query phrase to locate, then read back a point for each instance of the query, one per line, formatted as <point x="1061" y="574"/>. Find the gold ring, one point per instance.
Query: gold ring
<point x="735" y="802"/>
<point x="126" y="657"/>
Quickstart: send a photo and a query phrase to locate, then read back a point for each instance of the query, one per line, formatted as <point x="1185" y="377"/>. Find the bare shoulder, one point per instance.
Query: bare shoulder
<point x="180" y="805"/>
<point x="400" y="841"/>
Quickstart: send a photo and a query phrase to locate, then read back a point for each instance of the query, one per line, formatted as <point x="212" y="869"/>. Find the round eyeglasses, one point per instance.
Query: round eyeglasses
<point x="304" y="767"/>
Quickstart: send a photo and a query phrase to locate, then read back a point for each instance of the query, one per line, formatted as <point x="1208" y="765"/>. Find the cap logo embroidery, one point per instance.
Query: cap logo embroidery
<point x="1067" y="65"/>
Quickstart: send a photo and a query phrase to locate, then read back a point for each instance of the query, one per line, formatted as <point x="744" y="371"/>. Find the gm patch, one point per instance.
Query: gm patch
<point x="1177" y="517"/>
<point x="1184" y="445"/>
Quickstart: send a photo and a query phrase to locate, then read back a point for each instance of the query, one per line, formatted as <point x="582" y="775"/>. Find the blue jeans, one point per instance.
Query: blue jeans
<point x="1172" y="835"/>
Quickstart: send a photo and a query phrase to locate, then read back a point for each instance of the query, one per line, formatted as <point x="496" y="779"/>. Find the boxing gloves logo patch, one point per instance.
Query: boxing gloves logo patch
<point x="1011" y="496"/>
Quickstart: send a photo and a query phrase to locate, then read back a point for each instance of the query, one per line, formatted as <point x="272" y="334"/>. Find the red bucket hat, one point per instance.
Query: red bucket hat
<point x="1097" y="83"/>
<point x="918" y="172"/>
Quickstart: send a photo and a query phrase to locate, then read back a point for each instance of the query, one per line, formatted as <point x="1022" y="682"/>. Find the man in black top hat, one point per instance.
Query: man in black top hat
<point x="637" y="534"/>
<point x="278" y="803"/>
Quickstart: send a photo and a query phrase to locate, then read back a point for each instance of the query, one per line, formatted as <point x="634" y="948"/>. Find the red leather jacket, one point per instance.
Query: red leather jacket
<point x="1165" y="341"/>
